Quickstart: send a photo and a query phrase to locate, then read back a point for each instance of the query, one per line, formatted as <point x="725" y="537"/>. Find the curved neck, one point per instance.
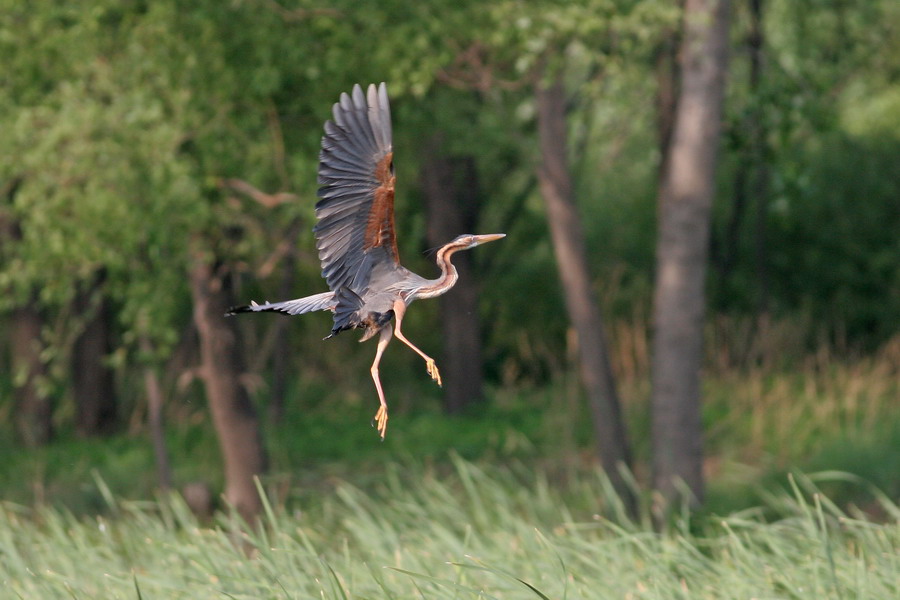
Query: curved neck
<point x="448" y="277"/>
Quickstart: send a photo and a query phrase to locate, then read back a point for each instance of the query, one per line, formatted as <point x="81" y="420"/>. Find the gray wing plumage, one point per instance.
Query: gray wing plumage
<point x="355" y="229"/>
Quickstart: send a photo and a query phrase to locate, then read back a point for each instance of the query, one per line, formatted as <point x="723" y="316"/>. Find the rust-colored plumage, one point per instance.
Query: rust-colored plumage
<point x="380" y="225"/>
<point x="356" y="238"/>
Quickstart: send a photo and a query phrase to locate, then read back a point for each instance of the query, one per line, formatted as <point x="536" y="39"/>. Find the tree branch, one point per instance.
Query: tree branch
<point x="242" y="187"/>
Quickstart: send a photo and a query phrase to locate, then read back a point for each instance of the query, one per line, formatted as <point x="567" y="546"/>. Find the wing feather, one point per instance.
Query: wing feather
<point x="323" y="301"/>
<point x="356" y="198"/>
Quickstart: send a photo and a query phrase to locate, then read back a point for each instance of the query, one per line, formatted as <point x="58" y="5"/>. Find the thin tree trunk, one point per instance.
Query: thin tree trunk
<point x="93" y="383"/>
<point x="751" y="178"/>
<point x="34" y="411"/>
<point x="758" y="152"/>
<point x="555" y="182"/>
<point x="233" y="413"/>
<point x="155" y="415"/>
<point x="725" y="252"/>
<point x="281" y="362"/>
<point x="451" y="193"/>
<point x="685" y="203"/>
<point x="33" y="414"/>
<point x="666" y="92"/>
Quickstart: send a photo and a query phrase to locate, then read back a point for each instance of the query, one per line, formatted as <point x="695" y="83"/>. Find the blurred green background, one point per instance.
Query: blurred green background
<point x="121" y="120"/>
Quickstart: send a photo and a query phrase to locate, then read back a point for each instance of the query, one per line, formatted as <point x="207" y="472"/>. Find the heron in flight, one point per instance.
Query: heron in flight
<point x="356" y="239"/>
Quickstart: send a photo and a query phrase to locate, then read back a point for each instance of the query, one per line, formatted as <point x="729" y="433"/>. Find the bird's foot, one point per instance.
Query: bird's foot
<point x="433" y="371"/>
<point x="380" y="420"/>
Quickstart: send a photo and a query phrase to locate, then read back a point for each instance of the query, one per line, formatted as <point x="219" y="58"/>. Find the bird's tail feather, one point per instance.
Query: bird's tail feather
<point x="323" y="301"/>
<point x="346" y="310"/>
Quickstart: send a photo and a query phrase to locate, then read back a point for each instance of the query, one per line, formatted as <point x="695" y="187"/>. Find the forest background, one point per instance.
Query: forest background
<point x="157" y="164"/>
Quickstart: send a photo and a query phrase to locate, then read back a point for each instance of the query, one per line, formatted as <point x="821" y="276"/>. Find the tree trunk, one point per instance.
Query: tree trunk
<point x="93" y="383"/>
<point x="33" y="414"/>
<point x="685" y="203"/>
<point x="33" y="409"/>
<point x="555" y="182"/>
<point x="759" y="153"/>
<point x="233" y="413"/>
<point x="281" y="362"/>
<point x="751" y="178"/>
<point x="666" y="66"/>
<point x="155" y="405"/>
<point x="452" y="199"/>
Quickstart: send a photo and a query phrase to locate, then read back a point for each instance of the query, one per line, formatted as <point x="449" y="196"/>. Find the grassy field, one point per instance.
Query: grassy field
<point x="473" y="532"/>
<point x="504" y="504"/>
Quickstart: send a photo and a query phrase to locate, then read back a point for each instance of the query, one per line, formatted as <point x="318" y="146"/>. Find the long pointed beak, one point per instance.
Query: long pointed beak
<point x="488" y="237"/>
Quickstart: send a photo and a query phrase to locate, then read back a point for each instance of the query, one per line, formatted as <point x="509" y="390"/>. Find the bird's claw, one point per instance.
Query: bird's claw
<point x="433" y="371"/>
<point x="380" y="420"/>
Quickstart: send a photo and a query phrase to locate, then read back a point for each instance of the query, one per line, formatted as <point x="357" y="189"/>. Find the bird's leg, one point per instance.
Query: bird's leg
<point x="381" y="417"/>
<point x="399" y="311"/>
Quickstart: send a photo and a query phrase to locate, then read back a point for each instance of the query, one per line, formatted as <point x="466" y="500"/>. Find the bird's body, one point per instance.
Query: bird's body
<point x="355" y="234"/>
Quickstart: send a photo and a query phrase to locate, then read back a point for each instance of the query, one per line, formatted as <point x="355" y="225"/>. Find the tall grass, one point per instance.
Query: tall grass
<point x="824" y="415"/>
<point x="472" y="533"/>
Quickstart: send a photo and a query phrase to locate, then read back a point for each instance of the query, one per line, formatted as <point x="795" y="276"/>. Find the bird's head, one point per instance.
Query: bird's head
<point x="468" y="240"/>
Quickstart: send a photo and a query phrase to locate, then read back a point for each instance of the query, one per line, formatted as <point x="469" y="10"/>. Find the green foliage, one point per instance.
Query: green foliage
<point x="816" y="238"/>
<point x="841" y="259"/>
<point x="122" y="118"/>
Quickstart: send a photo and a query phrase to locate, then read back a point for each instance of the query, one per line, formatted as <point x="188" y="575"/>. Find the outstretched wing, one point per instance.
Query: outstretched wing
<point x="355" y="229"/>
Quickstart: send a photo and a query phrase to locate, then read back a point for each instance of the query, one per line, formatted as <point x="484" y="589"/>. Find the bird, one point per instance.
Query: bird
<point x="356" y="239"/>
